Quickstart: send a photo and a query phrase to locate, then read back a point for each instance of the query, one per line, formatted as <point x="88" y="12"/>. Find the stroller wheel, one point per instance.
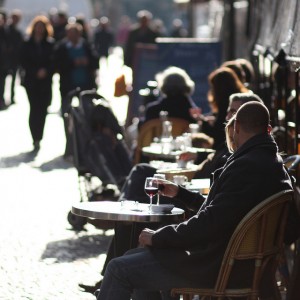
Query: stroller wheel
<point x="77" y="222"/>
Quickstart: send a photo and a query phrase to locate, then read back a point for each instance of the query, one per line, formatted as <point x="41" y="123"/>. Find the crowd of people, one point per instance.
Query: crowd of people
<point x="67" y="45"/>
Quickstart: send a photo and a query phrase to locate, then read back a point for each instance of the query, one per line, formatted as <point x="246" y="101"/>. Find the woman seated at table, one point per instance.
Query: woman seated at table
<point x="223" y="83"/>
<point x="176" y="88"/>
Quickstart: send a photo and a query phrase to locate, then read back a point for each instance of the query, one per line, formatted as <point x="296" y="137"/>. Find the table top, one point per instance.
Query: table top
<point x="200" y="185"/>
<point x="155" y="150"/>
<point x="125" y="211"/>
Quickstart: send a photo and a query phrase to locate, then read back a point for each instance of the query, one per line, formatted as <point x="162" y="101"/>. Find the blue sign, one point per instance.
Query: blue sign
<point x="197" y="58"/>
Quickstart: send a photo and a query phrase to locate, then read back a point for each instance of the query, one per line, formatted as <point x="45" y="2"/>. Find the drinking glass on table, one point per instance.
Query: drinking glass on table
<point x="151" y="189"/>
<point x="159" y="176"/>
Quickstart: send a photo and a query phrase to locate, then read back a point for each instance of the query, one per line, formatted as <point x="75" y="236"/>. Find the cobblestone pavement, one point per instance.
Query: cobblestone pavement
<point x="42" y="258"/>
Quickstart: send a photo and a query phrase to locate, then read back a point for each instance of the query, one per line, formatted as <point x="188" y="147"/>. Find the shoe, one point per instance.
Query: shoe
<point x="69" y="159"/>
<point x="97" y="292"/>
<point x="36" y="145"/>
<point x="3" y="106"/>
<point x="90" y="288"/>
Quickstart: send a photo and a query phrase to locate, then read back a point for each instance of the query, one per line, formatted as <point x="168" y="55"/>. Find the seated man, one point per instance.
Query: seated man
<point x="190" y="254"/>
<point x="133" y="188"/>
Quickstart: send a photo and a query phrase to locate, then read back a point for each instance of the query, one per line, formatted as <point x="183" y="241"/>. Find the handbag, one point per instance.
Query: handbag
<point x="120" y="86"/>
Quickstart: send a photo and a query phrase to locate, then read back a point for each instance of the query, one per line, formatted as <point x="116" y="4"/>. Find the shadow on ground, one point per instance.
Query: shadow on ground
<point x="16" y="160"/>
<point x="70" y="250"/>
<point x="29" y="157"/>
<point x="55" y="164"/>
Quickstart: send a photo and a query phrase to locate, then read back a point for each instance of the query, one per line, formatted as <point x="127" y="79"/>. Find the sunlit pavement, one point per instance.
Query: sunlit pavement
<point x="41" y="256"/>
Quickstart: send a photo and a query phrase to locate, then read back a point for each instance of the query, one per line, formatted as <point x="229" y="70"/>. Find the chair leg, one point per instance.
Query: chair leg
<point x="187" y="297"/>
<point x="293" y="291"/>
<point x="283" y="269"/>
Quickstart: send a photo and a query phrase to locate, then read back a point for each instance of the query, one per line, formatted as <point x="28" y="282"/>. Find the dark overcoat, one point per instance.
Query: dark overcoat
<point x="196" y="247"/>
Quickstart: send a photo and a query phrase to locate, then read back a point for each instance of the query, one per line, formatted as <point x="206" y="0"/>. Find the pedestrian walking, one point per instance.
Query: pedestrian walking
<point x="142" y="32"/>
<point x="77" y="63"/>
<point x="37" y="64"/>
<point x="15" y="41"/>
<point x="3" y="57"/>
<point x="103" y="38"/>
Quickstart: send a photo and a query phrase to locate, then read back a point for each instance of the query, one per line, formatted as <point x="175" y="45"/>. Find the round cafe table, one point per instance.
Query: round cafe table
<point x="126" y="211"/>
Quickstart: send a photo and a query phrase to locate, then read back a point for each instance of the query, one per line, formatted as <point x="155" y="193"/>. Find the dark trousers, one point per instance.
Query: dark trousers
<point x="39" y="98"/>
<point x="2" y="86"/>
<point x="13" y="73"/>
<point x="65" y="110"/>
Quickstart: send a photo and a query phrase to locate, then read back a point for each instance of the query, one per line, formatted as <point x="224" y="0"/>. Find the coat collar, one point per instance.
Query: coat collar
<point x="262" y="140"/>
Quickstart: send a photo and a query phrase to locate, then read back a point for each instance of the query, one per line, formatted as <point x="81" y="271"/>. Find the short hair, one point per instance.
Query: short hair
<point x="104" y="20"/>
<point x="229" y="140"/>
<point x="174" y="80"/>
<point x="253" y="117"/>
<point x="244" y="98"/>
<point x="3" y="13"/>
<point x="62" y="14"/>
<point x="16" y="12"/>
<point x="144" y="14"/>
<point x="76" y="26"/>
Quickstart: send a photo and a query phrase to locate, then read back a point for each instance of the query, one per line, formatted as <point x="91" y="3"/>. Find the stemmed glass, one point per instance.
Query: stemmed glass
<point x="159" y="176"/>
<point x="151" y="189"/>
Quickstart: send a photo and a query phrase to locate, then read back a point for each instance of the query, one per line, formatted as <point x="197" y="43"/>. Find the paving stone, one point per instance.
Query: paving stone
<point x="42" y="258"/>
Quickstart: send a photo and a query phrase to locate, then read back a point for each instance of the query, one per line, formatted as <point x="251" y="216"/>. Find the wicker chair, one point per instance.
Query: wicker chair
<point x="290" y="271"/>
<point x="259" y="236"/>
<point x="292" y="163"/>
<point x="153" y="128"/>
<point x="293" y="288"/>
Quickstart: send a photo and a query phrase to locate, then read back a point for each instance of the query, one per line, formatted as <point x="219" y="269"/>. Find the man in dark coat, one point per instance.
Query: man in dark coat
<point x="3" y="56"/>
<point x="140" y="33"/>
<point x="15" y="40"/>
<point x="189" y="254"/>
<point x="103" y="38"/>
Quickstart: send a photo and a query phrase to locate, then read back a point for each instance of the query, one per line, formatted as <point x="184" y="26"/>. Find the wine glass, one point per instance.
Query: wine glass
<point x="151" y="189"/>
<point x="159" y="176"/>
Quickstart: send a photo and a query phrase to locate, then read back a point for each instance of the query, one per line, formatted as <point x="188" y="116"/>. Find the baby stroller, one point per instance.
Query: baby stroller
<point x="99" y="151"/>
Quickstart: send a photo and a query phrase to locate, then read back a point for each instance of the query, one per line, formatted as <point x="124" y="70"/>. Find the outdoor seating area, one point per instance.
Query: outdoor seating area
<point x="183" y="145"/>
<point x="259" y="237"/>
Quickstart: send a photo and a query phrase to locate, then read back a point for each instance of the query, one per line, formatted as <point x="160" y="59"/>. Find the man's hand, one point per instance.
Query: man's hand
<point x="167" y="188"/>
<point x="196" y="113"/>
<point x="187" y="156"/>
<point x="145" y="238"/>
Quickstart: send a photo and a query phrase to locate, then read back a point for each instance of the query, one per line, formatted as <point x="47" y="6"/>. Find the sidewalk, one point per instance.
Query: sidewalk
<point x="41" y="256"/>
